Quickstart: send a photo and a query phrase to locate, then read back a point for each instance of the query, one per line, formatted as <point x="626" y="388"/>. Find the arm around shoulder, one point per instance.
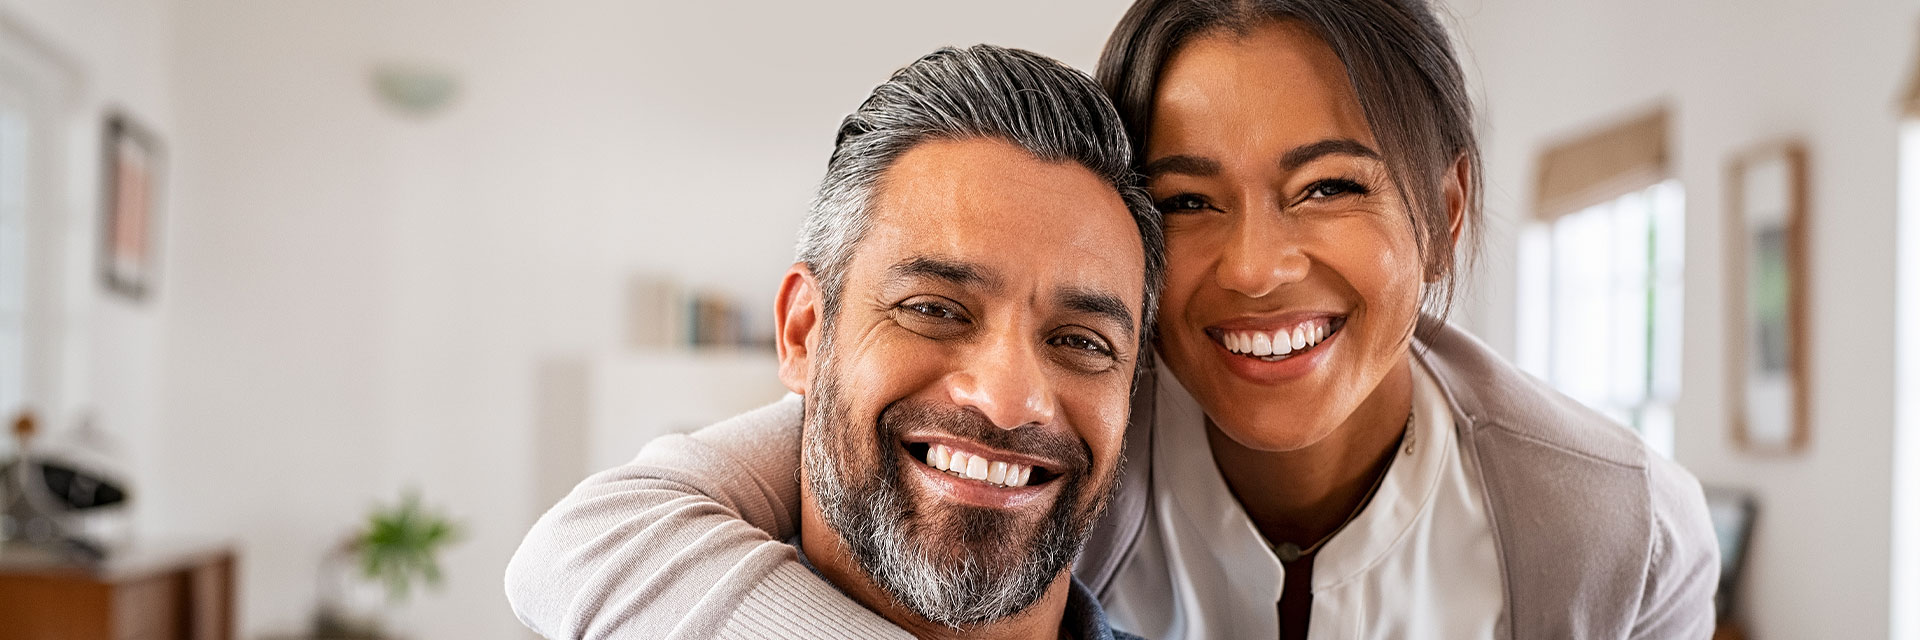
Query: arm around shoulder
<point x="1684" y="568"/>
<point x="685" y="541"/>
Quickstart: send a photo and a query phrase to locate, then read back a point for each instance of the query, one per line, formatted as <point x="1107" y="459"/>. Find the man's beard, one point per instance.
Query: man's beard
<point x="952" y="564"/>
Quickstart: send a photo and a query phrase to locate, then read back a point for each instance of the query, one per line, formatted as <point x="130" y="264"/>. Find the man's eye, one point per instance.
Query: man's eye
<point x="932" y="310"/>
<point x="1333" y="188"/>
<point x="1182" y="203"/>
<point x="1087" y="344"/>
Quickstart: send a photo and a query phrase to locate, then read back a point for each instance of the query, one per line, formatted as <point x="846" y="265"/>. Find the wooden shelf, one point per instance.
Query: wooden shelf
<point x="160" y="592"/>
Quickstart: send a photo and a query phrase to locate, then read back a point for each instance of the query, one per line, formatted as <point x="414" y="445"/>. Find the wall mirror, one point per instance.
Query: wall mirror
<point x="1767" y="289"/>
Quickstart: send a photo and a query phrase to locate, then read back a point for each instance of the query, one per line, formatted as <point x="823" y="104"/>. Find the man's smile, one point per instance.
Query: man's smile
<point x="972" y="461"/>
<point x="967" y="472"/>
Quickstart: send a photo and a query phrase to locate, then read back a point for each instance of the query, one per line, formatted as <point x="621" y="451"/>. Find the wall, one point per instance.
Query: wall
<point x="1739" y="74"/>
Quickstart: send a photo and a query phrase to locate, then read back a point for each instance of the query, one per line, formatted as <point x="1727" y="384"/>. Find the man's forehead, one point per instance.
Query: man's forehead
<point x="1018" y="218"/>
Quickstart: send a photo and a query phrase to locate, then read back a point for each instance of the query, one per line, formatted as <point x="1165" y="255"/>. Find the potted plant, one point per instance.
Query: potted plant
<point x="379" y="567"/>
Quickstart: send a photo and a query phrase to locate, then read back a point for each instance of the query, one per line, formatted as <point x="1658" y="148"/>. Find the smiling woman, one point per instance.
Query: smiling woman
<point x="1318" y="168"/>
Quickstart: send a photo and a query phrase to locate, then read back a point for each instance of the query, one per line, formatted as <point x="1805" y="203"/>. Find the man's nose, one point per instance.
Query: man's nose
<point x="1004" y="381"/>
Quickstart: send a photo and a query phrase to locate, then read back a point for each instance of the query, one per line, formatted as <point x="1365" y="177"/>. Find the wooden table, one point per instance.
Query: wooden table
<point x="154" y="592"/>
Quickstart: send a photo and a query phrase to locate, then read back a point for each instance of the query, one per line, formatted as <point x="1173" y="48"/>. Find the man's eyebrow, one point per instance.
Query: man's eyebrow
<point x="1101" y="304"/>
<point x="957" y="272"/>
<point x="1183" y="165"/>
<point x="1306" y="153"/>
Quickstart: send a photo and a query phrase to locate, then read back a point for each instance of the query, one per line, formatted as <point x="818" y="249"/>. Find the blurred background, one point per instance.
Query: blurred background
<point x="269" y="268"/>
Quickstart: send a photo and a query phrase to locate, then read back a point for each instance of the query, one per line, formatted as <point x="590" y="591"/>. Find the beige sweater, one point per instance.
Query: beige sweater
<point x="667" y="546"/>
<point x="1598" y="537"/>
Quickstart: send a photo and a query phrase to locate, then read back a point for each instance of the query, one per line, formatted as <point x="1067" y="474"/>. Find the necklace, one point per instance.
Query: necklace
<point x="1289" y="552"/>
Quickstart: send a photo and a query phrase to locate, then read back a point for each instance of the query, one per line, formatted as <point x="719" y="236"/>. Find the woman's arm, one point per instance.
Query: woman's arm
<point x="685" y="541"/>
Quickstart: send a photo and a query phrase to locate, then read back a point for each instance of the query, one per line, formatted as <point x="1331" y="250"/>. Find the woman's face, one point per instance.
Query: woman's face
<point x="1293" y="279"/>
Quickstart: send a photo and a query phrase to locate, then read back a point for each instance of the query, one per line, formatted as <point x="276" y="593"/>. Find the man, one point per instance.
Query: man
<point x="971" y="297"/>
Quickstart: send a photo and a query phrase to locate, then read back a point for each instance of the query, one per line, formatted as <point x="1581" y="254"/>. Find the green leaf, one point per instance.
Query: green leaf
<point x="401" y="545"/>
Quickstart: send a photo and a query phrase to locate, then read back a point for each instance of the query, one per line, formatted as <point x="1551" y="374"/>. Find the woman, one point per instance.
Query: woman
<point x="1315" y="457"/>
<point x="1317" y="166"/>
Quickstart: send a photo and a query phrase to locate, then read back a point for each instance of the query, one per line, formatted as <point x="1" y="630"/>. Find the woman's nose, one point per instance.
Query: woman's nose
<point x="1259" y="257"/>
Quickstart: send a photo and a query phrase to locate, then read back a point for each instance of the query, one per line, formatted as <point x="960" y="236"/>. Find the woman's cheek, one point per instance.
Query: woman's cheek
<point x="1389" y="282"/>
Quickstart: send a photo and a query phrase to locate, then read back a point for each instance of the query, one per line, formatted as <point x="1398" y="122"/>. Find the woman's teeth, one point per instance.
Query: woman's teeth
<point x="1280" y="343"/>
<point x="967" y="465"/>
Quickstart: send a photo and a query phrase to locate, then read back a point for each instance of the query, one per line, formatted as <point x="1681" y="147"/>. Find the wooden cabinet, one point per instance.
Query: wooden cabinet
<point x="180" y="592"/>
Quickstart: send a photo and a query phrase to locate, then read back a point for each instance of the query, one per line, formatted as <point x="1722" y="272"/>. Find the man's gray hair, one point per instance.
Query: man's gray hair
<point x="1037" y="103"/>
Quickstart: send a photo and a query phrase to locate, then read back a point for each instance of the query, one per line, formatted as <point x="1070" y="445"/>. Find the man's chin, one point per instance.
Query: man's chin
<point x="995" y="539"/>
<point x="967" y="565"/>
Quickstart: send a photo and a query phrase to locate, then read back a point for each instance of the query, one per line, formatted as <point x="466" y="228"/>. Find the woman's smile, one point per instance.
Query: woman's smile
<point x="1276" y="348"/>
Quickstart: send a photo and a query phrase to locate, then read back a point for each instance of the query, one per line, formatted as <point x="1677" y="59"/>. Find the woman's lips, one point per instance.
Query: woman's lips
<point x="1270" y="352"/>
<point x="1277" y="342"/>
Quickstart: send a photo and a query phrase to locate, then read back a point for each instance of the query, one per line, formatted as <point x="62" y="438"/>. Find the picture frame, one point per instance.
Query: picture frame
<point x="131" y="170"/>
<point x="1767" y="289"/>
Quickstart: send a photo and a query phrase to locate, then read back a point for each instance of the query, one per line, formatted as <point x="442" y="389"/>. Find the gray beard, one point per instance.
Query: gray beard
<point x="954" y="566"/>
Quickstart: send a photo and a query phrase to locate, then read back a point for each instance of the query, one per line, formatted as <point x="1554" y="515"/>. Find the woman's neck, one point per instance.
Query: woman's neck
<point x="1302" y="496"/>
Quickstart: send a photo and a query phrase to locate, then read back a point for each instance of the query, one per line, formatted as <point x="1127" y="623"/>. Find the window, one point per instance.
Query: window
<point x="1600" y="275"/>
<point x="13" y="261"/>
<point x="1906" y="438"/>
<point x="36" y="102"/>
<point x="1600" y="307"/>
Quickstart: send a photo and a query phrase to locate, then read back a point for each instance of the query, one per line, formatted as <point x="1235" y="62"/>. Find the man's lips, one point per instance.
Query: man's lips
<point x="975" y="462"/>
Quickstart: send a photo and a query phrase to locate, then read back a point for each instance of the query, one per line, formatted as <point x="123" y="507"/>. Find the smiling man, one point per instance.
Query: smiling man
<point x="963" y="324"/>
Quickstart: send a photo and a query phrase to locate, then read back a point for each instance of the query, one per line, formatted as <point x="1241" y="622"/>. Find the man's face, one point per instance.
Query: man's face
<point x="966" y="404"/>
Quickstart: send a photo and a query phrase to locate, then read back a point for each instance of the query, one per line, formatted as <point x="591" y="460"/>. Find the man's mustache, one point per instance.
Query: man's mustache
<point x="904" y="417"/>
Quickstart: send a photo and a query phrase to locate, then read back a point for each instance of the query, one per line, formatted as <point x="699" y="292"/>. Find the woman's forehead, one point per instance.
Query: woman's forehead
<point x="1277" y="84"/>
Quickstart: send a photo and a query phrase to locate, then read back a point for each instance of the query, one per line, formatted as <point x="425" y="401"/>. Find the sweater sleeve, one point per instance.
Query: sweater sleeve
<point x="1683" y="570"/>
<point x="685" y="542"/>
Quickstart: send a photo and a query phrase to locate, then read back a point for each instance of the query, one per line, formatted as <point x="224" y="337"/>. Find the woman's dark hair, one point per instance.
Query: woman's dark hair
<point x="1402" y="67"/>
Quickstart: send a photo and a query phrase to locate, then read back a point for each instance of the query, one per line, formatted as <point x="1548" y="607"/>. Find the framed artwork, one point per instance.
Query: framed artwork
<point x="1767" y="297"/>
<point x="129" y="205"/>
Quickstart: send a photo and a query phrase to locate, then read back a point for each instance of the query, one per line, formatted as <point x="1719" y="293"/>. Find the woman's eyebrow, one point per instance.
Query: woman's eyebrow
<point x="1303" y="154"/>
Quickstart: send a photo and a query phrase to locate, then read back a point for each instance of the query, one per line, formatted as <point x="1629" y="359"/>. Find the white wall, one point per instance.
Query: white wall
<point x="1738" y="74"/>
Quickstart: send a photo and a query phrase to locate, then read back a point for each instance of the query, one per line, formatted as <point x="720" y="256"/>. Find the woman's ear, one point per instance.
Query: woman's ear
<point x="1457" y="186"/>
<point x="797" y="314"/>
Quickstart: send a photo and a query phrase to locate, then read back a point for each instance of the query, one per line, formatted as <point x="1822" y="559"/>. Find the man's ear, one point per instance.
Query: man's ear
<point x="797" y="315"/>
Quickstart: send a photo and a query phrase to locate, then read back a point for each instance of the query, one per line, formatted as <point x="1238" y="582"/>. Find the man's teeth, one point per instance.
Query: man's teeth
<point x="967" y="465"/>
<point x="1262" y="344"/>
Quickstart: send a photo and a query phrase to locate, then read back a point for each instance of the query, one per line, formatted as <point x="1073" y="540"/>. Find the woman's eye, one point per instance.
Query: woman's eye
<point x="1182" y="202"/>
<point x="1335" y="188"/>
